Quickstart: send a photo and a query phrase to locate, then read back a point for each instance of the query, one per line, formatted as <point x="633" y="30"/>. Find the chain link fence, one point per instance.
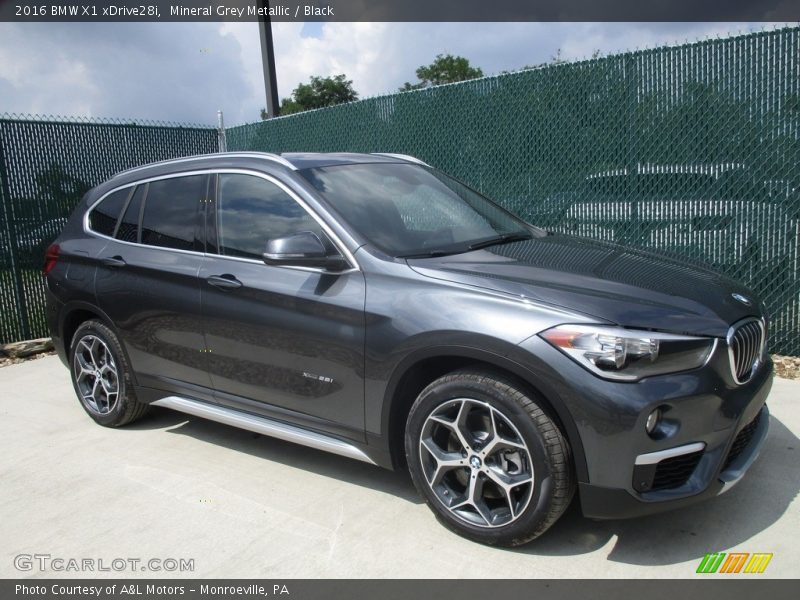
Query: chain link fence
<point x="692" y="149"/>
<point x="46" y="165"/>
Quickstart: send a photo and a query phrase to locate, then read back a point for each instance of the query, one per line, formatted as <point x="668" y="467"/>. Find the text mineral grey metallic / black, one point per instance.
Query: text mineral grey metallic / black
<point x="371" y="306"/>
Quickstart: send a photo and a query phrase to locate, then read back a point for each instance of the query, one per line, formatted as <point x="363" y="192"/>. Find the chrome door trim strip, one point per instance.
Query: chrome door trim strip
<point x="264" y="426"/>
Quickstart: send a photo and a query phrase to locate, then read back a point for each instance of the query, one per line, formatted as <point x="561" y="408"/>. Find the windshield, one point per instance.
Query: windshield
<point x="409" y="210"/>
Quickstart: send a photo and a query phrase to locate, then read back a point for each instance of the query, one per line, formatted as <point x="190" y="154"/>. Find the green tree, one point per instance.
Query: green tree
<point x="445" y="69"/>
<point x="319" y="92"/>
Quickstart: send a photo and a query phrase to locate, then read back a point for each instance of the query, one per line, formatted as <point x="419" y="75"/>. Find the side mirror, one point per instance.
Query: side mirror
<point x="303" y="249"/>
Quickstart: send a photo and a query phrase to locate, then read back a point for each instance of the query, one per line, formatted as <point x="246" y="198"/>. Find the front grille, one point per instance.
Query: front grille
<point x="674" y="472"/>
<point x="742" y="441"/>
<point x="746" y="344"/>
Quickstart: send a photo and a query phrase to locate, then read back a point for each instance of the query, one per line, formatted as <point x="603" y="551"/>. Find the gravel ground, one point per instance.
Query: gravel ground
<point x="787" y="367"/>
<point x="7" y="360"/>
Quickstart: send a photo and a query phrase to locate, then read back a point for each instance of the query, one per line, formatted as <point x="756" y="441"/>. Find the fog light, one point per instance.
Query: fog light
<point x="652" y="421"/>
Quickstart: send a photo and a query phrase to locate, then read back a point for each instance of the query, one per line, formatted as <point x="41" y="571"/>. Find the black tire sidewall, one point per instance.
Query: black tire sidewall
<point x="538" y="508"/>
<point x="97" y="329"/>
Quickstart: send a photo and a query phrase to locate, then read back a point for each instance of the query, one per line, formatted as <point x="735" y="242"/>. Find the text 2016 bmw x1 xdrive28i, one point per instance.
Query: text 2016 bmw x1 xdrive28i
<point x="371" y="306"/>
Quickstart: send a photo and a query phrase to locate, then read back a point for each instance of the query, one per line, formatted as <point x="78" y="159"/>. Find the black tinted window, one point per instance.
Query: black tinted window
<point x="129" y="225"/>
<point x="170" y="211"/>
<point x="103" y="218"/>
<point x="253" y="210"/>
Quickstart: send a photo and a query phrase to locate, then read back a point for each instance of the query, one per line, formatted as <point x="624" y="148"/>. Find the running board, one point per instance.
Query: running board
<point x="264" y="426"/>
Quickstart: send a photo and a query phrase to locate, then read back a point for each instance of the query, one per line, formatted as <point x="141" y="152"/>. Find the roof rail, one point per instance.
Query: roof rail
<point x="263" y="155"/>
<point x="405" y="157"/>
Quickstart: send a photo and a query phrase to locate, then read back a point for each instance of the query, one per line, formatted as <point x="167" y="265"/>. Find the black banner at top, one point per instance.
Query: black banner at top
<point x="400" y="10"/>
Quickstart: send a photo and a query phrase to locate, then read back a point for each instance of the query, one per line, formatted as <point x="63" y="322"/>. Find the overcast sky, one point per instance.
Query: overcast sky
<point x="187" y="71"/>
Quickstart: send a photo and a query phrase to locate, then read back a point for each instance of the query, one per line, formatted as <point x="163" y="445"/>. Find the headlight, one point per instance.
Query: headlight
<point x="629" y="355"/>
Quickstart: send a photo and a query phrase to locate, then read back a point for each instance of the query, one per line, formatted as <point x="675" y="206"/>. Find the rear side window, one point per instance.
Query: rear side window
<point x="252" y="210"/>
<point x="103" y="218"/>
<point x="170" y="212"/>
<point x="128" y="230"/>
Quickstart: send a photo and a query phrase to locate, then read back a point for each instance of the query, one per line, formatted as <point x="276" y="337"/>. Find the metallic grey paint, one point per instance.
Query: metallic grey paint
<point x="369" y="333"/>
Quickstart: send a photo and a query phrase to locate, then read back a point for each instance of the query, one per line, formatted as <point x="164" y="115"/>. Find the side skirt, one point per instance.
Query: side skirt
<point x="264" y="426"/>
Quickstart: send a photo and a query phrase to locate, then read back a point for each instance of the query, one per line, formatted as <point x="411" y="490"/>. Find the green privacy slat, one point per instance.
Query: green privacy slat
<point x="46" y="164"/>
<point x="692" y="150"/>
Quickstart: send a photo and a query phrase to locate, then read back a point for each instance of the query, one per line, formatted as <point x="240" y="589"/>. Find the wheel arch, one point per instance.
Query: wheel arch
<point x="416" y="371"/>
<point x="73" y="314"/>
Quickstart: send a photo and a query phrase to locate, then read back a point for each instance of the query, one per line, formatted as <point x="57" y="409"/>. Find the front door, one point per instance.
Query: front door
<point x="280" y="341"/>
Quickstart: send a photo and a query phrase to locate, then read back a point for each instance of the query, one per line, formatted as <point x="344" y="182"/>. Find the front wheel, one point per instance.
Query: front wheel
<point x="490" y="463"/>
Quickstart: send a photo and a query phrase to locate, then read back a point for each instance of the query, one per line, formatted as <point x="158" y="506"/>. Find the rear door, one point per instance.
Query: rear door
<point x="147" y="283"/>
<point x="284" y="342"/>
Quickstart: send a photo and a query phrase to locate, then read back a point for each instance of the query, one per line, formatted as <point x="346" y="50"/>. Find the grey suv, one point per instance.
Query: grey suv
<point x="373" y="307"/>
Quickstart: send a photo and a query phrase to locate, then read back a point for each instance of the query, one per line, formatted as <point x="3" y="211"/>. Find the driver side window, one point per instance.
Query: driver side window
<point x="252" y="210"/>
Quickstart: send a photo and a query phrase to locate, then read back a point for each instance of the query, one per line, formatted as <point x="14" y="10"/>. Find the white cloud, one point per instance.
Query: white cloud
<point x="176" y="72"/>
<point x="186" y="71"/>
<point x="380" y="57"/>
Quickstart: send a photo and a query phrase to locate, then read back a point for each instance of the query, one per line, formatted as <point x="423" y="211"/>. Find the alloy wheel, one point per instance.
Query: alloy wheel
<point x="476" y="463"/>
<point x="96" y="374"/>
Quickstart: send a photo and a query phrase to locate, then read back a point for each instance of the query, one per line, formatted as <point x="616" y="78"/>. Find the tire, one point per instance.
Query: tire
<point x="101" y="376"/>
<point x="488" y="460"/>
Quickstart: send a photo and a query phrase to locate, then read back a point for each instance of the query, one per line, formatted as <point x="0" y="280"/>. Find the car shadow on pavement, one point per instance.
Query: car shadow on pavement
<point x="677" y="536"/>
<point x="294" y="455"/>
<point x="687" y="534"/>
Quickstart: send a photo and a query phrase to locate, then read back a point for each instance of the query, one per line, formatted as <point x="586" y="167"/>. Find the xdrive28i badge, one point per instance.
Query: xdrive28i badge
<point x="743" y="299"/>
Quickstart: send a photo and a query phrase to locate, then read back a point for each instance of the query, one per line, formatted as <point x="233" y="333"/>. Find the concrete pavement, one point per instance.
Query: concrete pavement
<point x="242" y="505"/>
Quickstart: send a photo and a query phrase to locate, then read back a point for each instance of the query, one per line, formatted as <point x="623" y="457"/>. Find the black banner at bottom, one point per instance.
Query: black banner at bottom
<point x="395" y="589"/>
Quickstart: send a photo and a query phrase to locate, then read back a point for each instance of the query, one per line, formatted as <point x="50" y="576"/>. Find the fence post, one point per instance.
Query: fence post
<point x="223" y="143"/>
<point x="10" y="229"/>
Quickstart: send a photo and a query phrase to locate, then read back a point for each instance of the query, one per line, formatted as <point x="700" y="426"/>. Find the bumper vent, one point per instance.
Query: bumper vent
<point x="675" y="472"/>
<point x="742" y="440"/>
<point x="746" y="342"/>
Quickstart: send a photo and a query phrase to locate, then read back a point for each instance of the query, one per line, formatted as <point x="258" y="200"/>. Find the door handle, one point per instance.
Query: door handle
<point x="113" y="261"/>
<point x="224" y="282"/>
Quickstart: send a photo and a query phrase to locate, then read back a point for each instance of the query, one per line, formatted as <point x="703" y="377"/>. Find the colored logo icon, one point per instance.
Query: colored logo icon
<point x="734" y="562"/>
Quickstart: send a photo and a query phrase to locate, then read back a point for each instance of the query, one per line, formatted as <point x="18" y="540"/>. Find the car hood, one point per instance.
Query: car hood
<point x="625" y="286"/>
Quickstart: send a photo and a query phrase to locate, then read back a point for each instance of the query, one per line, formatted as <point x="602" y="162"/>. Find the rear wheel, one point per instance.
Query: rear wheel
<point x="490" y="463"/>
<point x="101" y="376"/>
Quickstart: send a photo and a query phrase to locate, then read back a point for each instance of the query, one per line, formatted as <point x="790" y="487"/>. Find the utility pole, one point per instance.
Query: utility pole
<point x="222" y="142"/>
<point x="268" y="60"/>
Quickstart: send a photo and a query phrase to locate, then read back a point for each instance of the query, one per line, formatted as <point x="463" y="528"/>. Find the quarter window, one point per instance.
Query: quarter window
<point x="128" y="230"/>
<point x="252" y="210"/>
<point x="103" y="218"/>
<point x="170" y="211"/>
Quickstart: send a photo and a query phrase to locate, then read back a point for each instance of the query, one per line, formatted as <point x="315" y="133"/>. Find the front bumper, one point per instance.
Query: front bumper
<point x="705" y="409"/>
<point x="599" y="502"/>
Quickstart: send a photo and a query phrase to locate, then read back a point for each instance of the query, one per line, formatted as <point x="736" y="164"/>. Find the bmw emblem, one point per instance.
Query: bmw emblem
<point x="743" y="299"/>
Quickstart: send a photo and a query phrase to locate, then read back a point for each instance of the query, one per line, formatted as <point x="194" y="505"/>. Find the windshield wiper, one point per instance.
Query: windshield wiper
<point x="501" y="239"/>
<point x="429" y="254"/>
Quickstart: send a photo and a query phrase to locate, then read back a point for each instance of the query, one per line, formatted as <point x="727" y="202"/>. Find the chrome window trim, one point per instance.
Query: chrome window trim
<point x="262" y="155"/>
<point x="762" y="349"/>
<point x="653" y="458"/>
<point x="337" y="242"/>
